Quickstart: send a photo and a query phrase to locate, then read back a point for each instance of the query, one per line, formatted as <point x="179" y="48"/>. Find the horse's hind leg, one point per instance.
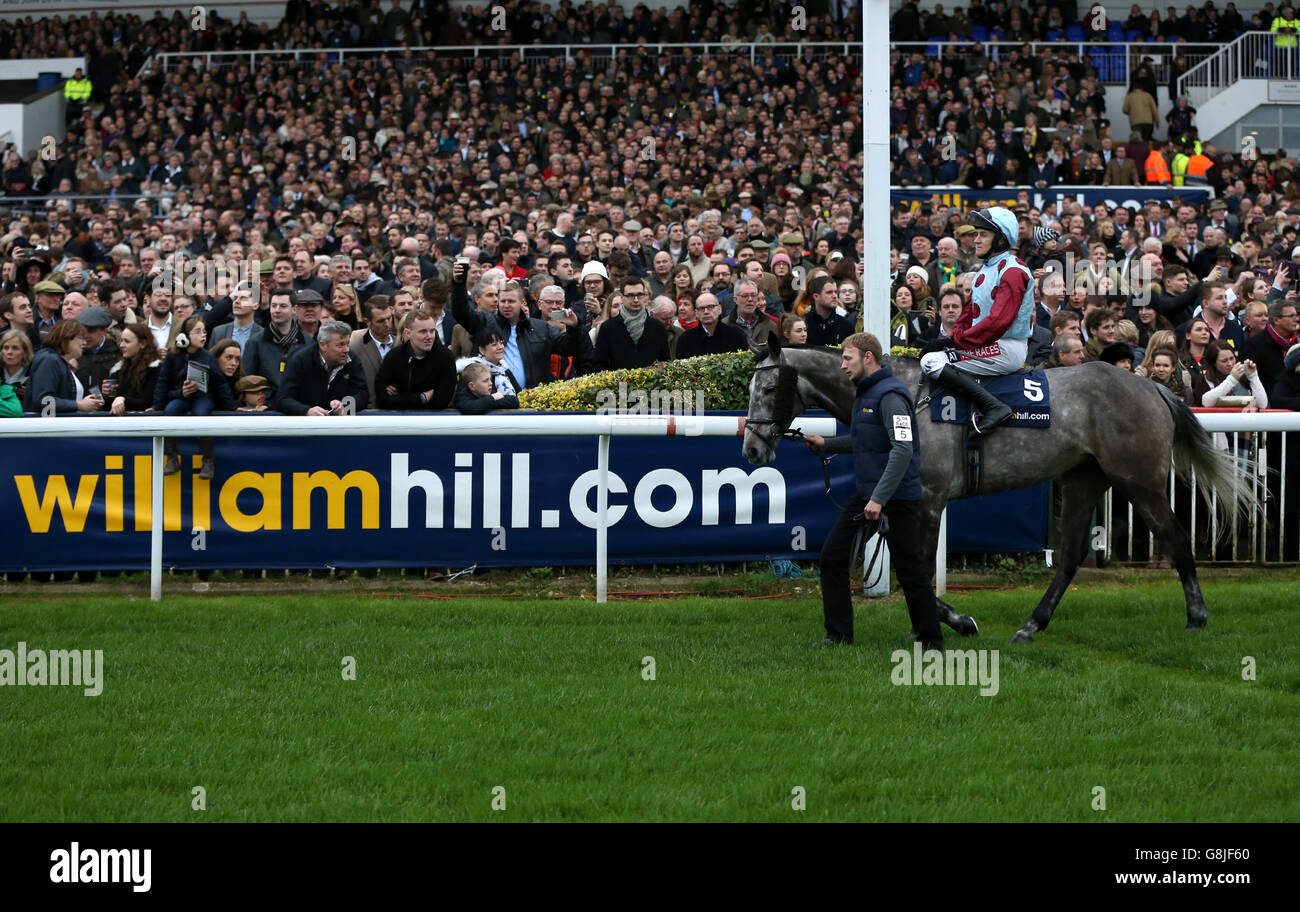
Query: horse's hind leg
<point x="1080" y="488"/>
<point x="1153" y="504"/>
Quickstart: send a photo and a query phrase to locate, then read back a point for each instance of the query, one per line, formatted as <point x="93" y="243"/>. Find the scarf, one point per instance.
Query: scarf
<point x="289" y="339"/>
<point x="1276" y="336"/>
<point x="635" y="325"/>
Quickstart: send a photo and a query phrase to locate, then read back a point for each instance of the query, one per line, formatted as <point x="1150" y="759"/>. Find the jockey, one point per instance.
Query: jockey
<point x="992" y="333"/>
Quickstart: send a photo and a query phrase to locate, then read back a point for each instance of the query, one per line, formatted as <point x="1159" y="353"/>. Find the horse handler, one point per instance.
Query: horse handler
<point x="992" y="334"/>
<point x="887" y="465"/>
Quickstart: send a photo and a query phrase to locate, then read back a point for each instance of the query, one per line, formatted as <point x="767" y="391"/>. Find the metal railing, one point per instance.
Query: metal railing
<point x="1258" y="442"/>
<point x="1114" y="61"/>
<point x="10" y="204"/>
<point x="531" y="54"/>
<point x="1254" y="55"/>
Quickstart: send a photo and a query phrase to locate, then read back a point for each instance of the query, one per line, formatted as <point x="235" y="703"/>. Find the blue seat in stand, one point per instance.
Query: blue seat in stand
<point x="1074" y="33"/>
<point x="1055" y="35"/>
<point x="979" y="33"/>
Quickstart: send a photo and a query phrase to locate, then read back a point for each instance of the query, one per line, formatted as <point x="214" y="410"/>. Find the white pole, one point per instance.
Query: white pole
<point x="156" y="523"/>
<point x="602" y="520"/>
<point x="941" y="556"/>
<point x="875" y="174"/>
<point x="875" y="192"/>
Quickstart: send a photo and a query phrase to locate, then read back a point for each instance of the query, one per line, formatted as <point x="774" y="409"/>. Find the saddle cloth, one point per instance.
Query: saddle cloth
<point x="1026" y="393"/>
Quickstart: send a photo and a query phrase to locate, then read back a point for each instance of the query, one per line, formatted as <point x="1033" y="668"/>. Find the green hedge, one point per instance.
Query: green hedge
<point x="722" y="379"/>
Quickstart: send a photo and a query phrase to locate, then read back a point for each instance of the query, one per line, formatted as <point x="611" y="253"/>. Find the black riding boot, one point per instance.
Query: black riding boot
<point x="987" y="412"/>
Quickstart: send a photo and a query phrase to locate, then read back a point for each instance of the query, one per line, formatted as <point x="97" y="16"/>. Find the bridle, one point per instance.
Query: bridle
<point x="786" y="433"/>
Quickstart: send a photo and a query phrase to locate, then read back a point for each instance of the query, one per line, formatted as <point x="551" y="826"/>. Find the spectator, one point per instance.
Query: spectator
<point x="664" y="310"/>
<point x="243" y="329"/>
<point x="1100" y="328"/>
<point x="99" y="351"/>
<point x="1196" y="338"/>
<point x="16" y="359"/>
<point x="476" y="395"/>
<point x="1119" y="354"/>
<point x="324" y="379"/>
<point x="551" y="305"/>
<point x="794" y="331"/>
<point x="51" y="381"/>
<point x="950" y="304"/>
<point x="344" y="306"/>
<point x="529" y="342"/>
<point x="268" y="355"/>
<point x="1142" y="111"/>
<point x="435" y="293"/>
<point x="906" y="323"/>
<point x="49" y="305"/>
<point x="1067" y="351"/>
<point x="16" y="313"/>
<point x="371" y="344"/>
<point x="1286" y="392"/>
<point x="310" y="311"/>
<point x="190" y="382"/>
<point x="749" y="316"/>
<point x="136" y="375"/>
<point x="420" y="373"/>
<point x="713" y="337"/>
<point x="825" y="326"/>
<point x="1225" y="376"/>
<point x="1267" y="349"/>
<point x="491" y="354"/>
<point x="1162" y="366"/>
<point x="631" y="338"/>
<point x="230" y="362"/>
<point x="251" y="392"/>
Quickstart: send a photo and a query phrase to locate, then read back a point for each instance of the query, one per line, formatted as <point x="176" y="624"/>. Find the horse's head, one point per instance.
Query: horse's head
<point x="774" y="402"/>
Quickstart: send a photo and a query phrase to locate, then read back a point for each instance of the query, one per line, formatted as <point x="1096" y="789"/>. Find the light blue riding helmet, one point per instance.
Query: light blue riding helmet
<point x="999" y="220"/>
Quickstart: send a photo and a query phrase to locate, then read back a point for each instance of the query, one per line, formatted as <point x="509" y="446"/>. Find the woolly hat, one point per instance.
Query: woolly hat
<point x="781" y="258"/>
<point x="593" y="267"/>
<point x="1043" y="235"/>
<point x="1292" y="360"/>
<point x="1116" y="352"/>
<point x="918" y="270"/>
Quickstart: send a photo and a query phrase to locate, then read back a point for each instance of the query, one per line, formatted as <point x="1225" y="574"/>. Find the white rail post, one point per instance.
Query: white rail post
<point x="156" y="522"/>
<point x="941" y="556"/>
<point x="602" y="520"/>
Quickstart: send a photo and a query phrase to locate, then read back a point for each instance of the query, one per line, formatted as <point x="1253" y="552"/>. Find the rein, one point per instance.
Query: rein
<point x="783" y="413"/>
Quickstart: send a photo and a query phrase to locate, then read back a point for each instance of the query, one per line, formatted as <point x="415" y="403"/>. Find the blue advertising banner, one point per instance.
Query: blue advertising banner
<point x="1133" y="197"/>
<point x="441" y="502"/>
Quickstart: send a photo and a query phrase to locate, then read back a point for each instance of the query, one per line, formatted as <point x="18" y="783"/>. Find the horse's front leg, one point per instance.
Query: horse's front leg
<point x="932" y="507"/>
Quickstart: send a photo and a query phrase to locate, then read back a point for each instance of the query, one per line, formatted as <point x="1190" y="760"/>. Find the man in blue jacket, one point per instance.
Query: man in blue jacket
<point x="887" y="466"/>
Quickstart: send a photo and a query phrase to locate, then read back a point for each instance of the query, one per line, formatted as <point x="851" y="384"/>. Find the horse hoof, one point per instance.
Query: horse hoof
<point x="1023" y="636"/>
<point x="967" y="627"/>
<point x="1195" y="626"/>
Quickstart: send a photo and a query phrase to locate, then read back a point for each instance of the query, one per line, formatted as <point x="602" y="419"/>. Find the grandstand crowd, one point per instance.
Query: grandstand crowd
<point x="445" y="230"/>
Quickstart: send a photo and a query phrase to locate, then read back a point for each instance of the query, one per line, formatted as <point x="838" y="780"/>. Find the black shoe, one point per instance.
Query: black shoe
<point x="987" y="411"/>
<point x="205" y="471"/>
<point x="173" y="464"/>
<point x="836" y="641"/>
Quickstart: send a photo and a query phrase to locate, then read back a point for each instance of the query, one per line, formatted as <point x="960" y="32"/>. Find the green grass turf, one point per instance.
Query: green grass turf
<point x="244" y="696"/>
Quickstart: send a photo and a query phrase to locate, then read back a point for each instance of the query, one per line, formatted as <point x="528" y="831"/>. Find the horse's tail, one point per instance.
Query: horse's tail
<point x="1214" y="470"/>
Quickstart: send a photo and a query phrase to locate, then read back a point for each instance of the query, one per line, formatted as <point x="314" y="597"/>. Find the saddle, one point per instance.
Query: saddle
<point x="1027" y="393"/>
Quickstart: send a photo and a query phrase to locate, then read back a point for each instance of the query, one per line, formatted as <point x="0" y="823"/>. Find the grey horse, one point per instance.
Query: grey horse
<point x="1108" y="428"/>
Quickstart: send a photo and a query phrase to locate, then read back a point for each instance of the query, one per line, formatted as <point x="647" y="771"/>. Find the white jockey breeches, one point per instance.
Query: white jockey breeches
<point x="1005" y="356"/>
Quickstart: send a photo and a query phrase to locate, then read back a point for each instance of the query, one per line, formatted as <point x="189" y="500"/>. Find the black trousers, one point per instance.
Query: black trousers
<point x="904" y="539"/>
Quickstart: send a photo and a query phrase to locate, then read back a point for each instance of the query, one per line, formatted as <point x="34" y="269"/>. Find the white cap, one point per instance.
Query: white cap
<point x="918" y="270"/>
<point x="593" y="267"/>
<point x="1295" y="253"/>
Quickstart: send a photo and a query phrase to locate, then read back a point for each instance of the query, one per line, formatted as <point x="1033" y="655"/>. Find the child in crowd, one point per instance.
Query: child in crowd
<point x="475" y="396"/>
<point x="251" y="392"/>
